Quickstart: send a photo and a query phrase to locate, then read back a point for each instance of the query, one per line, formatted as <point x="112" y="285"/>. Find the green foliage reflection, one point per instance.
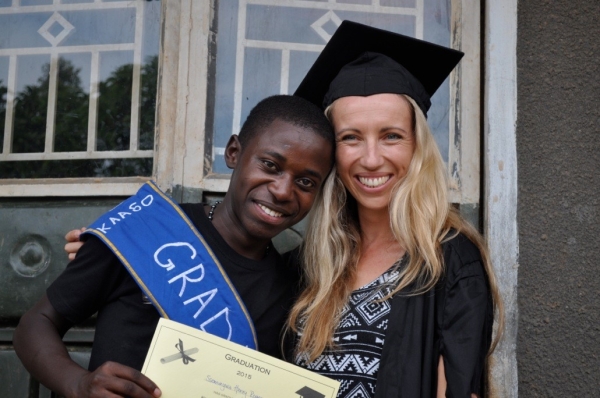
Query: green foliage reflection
<point x="71" y="123"/>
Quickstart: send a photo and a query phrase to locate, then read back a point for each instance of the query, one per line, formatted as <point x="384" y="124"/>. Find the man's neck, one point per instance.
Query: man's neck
<point x="228" y="226"/>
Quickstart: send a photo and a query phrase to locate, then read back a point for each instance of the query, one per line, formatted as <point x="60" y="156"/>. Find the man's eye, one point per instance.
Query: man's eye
<point x="305" y="182"/>
<point x="269" y="164"/>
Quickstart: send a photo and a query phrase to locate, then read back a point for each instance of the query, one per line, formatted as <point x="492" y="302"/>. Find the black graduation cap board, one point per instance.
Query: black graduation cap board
<point x="307" y="392"/>
<point x="359" y="60"/>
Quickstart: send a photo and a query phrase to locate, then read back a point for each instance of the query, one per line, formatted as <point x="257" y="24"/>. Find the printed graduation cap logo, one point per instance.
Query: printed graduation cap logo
<point x="360" y="60"/>
<point x="307" y="392"/>
<point x="183" y="354"/>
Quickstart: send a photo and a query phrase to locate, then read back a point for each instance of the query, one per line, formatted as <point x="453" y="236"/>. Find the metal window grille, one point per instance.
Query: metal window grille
<point x="55" y="40"/>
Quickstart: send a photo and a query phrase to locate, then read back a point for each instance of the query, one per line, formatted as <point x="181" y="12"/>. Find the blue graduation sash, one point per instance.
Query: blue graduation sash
<point x="173" y="265"/>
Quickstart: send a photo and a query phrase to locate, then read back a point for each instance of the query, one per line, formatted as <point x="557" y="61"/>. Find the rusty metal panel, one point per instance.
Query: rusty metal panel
<point x="31" y="257"/>
<point x="14" y="379"/>
<point x="31" y="248"/>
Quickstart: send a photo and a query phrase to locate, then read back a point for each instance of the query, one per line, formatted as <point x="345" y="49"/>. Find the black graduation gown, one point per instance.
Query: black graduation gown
<point x="453" y="320"/>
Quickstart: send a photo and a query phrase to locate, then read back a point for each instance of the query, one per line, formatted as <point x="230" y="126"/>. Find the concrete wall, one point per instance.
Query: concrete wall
<point x="558" y="148"/>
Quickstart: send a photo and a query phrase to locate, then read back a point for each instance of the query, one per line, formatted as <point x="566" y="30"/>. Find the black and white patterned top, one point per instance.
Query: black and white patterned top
<point x="359" y="337"/>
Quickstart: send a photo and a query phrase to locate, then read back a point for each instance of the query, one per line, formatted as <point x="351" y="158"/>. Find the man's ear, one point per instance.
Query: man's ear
<point x="233" y="151"/>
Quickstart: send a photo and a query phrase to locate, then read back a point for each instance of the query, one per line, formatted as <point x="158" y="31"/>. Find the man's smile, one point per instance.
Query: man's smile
<point x="269" y="211"/>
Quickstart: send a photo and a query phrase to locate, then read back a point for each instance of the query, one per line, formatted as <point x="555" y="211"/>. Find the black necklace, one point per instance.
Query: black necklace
<point x="211" y="212"/>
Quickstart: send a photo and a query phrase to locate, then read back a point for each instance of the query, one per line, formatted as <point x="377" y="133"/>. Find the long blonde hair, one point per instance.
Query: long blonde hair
<point x="420" y="218"/>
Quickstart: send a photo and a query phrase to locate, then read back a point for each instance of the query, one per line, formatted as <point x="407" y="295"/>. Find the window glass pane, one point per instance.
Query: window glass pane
<point x="72" y="102"/>
<point x="31" y="103"/>
<point x="78" y="85"/>
<point x="114" y="103"/>
<point x="266" y="47"/>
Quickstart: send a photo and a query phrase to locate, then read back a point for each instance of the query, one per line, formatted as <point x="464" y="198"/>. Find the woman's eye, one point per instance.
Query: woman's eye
<point x="348" y="137"/>
<point x="393" y="136"/>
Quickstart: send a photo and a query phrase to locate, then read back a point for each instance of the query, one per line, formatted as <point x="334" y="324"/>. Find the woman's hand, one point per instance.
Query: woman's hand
<point x="441" y="391"/>
<point x="73" y="243"/>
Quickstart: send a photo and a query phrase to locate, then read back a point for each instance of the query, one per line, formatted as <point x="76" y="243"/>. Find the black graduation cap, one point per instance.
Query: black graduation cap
<point x="360" y="60"/>
<point x="307" y="392"/>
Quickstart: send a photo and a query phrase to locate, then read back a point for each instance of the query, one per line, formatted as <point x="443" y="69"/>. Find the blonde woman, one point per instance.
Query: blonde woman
<point x="399" y="293"/>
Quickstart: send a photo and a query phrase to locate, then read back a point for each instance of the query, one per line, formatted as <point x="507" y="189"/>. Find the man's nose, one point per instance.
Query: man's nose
<point x="282" y="188"/>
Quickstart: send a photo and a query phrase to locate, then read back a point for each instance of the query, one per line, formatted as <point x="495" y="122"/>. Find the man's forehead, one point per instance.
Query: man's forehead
<point x="280" y="125"/>
<point x="284" y="134"/>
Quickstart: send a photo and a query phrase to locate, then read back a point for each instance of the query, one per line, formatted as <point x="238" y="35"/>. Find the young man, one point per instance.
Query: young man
<point x="281" y="157"/>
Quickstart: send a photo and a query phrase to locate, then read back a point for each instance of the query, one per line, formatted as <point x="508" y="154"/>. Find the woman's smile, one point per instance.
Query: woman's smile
<point x="373" y="182"/>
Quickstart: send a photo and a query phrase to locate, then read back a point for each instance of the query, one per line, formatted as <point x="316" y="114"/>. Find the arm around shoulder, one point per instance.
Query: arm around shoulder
<point x="73" y="243"/>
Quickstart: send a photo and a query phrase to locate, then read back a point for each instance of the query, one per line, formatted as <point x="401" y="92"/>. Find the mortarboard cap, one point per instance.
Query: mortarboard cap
<point x="307" y="392"/>
<point x="360" y="60"/>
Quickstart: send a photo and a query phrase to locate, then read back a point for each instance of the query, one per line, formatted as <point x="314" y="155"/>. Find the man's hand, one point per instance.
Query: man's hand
<point x="115" y="380"/>
<point x="38" y="343"/>
<point x="73" y="243"/>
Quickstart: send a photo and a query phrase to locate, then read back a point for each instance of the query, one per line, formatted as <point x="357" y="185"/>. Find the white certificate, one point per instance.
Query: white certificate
<point x="186" y="362"/>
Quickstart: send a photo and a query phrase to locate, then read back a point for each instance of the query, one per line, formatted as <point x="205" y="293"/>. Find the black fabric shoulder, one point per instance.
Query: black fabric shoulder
<point x="459" y="256"/>
<point x="193" y="210"/>
<point x="88" y="281"/>
<point x="453" y="320"/>
<point x="465" y="317"/>
<point x="293" y="262"/>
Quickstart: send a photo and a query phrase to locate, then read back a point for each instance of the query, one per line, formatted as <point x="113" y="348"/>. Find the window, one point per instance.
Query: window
<point x="78" y="92"/>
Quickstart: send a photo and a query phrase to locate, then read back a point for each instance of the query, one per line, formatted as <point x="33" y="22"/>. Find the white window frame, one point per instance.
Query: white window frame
<point x="500" y="178"/>
<point x="465" y="104"/>
<point x="182" y="98"/>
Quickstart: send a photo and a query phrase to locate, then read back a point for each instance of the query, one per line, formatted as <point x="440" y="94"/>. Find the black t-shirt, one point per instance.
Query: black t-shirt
<point x="96" y="281"/>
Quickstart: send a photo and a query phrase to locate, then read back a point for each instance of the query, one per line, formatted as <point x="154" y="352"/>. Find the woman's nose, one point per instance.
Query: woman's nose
<point x="371" y="157"/>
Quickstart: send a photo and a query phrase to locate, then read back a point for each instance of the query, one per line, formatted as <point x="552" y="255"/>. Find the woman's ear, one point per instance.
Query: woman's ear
<point x="233" y="150"/>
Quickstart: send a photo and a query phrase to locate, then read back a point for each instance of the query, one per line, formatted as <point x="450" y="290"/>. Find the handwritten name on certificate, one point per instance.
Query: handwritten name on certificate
<point x="187" y="362"/>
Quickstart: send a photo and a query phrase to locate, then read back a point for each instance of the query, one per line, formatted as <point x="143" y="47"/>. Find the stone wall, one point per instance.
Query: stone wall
<point x="558" y="149"/>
